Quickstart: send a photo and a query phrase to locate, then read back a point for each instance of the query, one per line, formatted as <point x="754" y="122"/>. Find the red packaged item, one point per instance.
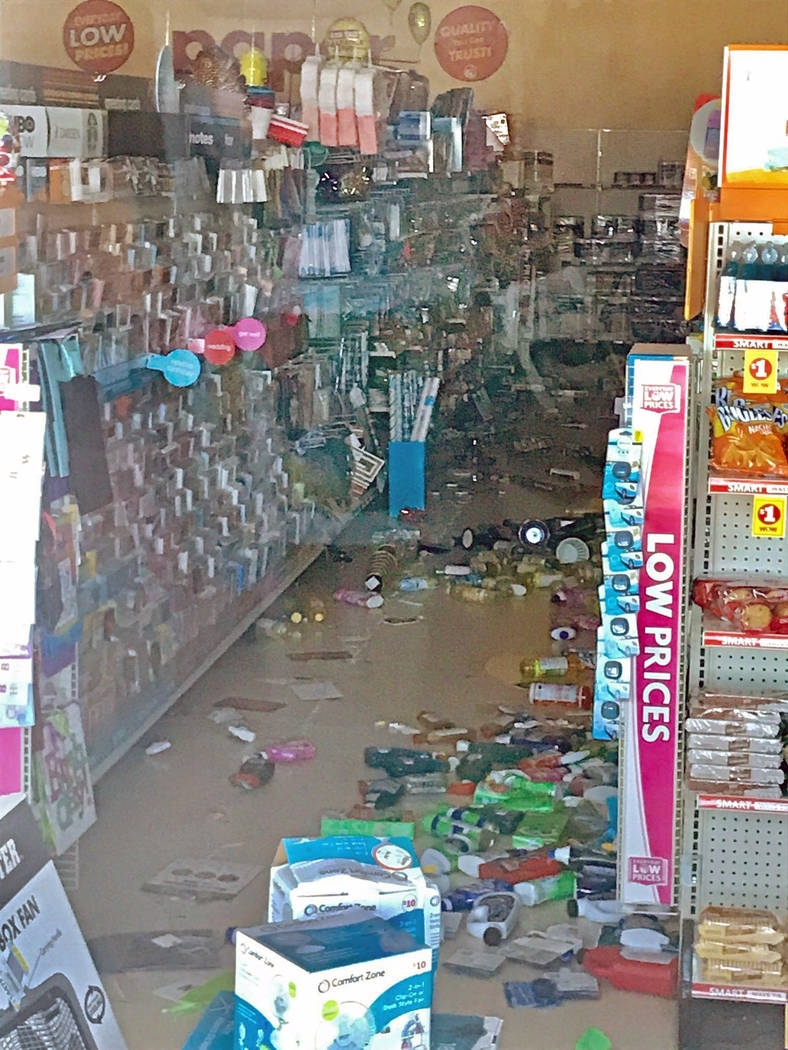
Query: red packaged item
<point x="632" y="975"/>
<point x="519" y="869"/>
<point x="757" y="608"/>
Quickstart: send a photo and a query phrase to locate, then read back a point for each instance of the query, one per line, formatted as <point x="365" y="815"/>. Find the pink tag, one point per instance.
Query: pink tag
<point x="250" y="334"/>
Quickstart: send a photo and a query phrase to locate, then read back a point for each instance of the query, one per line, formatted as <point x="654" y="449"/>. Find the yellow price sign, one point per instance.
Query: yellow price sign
<point x="768" y="516"/>
<point x="760" y="371"/>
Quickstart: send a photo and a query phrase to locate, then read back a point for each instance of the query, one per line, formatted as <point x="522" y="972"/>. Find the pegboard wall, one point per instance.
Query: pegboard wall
<point x="733" y="549"/>
<point x="743" y="672"/>
<point x="742" y="859"/>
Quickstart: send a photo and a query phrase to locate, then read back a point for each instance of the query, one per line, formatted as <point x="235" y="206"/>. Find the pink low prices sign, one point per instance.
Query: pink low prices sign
<point x="658" y="388"/>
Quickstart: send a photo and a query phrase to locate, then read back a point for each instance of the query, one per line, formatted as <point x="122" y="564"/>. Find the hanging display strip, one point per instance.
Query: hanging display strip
<point x="658" y="383"/>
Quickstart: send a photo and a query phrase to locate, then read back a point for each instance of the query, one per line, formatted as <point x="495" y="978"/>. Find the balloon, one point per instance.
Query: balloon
<point x="348" y="39"/>
<point x="419" y="22"/>
<point x="254" y="67"/>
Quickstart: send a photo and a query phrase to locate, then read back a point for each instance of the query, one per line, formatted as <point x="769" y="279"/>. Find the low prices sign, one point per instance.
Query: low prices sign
<point x="98" y="36"/>
<point x="647" y="829"/>
<point x="471" y="43"/>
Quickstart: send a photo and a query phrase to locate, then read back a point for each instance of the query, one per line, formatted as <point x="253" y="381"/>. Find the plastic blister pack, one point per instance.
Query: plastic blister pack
<point x="742" y="925"/>
<point x="736" y="774"/>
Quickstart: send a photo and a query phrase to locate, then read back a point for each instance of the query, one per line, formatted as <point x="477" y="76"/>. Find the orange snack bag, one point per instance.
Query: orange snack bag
<point x="746" y="445"/>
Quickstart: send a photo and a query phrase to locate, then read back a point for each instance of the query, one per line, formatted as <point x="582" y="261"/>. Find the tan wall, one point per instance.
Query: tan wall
<point x="571" y="63"/>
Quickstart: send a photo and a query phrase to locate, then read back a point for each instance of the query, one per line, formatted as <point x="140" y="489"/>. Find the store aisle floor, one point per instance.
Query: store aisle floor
<point x="180" y="804"/>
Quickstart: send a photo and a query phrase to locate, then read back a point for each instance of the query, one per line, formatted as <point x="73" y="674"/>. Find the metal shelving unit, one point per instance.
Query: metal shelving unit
<point x="733" y="848"/>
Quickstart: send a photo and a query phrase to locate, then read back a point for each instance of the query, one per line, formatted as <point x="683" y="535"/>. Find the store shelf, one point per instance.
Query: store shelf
<point x="702" y="990"/>
<point x="251" y="606"/>
<point x="729" y="803"/>
<point x="750" y="340"/>
<point x="718" y="633"/>
<point x="743" y="485"/>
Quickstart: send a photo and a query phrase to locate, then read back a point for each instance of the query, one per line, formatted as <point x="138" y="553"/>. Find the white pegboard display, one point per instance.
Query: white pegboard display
<point x="733" y="548"/>
<point x="742" y="860"/>
<point x="745" y="672"/>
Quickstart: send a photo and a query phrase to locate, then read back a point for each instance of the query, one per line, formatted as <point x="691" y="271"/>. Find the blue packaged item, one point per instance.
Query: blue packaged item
<point x="216" y="1026"/>
<point x="347" y="982"/>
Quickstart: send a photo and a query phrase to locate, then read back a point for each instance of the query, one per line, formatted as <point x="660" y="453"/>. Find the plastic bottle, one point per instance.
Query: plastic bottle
<point x="769" y="258"/>
<point x="733" y="265"/>
<point x="473" y="594"/>
<point x="750" y="267"/>
<point x="417" y="583"/>
<point x="361" y="598"/>
<point x="552" y="888"/>
<point x="541" y="667"/>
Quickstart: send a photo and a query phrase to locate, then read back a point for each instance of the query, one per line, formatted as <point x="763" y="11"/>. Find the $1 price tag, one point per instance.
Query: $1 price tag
<point x="768" y="516"/>
<point x="760" y="371"/>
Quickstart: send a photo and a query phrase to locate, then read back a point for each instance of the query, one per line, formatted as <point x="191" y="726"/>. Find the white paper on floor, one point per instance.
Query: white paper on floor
<point x="317" y="689"/>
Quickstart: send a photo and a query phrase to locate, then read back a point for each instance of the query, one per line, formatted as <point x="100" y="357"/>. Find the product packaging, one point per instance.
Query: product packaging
<point x="347" y="981"/>
<point x="317" y="877"/>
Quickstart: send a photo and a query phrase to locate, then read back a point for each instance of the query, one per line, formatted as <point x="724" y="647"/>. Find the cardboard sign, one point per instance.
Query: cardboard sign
<point x="98" y="36"/>
<point x="658" y="382"/>
<point x="754" y="146"/>
<point x="471" y="43"/>
<point x="50" y="993"/>
<point x="768" y="516"/>
<point x="760" y="371"/>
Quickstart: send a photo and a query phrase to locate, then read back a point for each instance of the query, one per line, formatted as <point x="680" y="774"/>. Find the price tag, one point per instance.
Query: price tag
<point x="768" y="516"/>
<point x="760" y="371"/>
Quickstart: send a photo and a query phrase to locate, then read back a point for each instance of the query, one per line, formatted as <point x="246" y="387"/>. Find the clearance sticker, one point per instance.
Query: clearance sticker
<point x="768" y="516"/>
<point x="760" y="371"/>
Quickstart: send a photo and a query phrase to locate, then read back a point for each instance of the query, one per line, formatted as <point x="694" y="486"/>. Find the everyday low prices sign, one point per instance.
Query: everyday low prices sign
<point x="647" y="832"/>
<point x="98" y="36"/>
<point x="471" y="43"/>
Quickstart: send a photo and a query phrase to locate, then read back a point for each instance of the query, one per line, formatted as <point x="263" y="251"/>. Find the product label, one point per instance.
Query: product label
<point x="768" y="516"/>
<point x="760" y="371"/>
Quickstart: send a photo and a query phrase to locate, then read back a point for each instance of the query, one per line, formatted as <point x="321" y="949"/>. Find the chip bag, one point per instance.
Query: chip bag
<point x="746" y="442"/>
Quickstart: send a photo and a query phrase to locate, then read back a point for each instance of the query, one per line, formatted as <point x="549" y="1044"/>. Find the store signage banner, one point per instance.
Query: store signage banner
<point x="754" y="147"/>
<point x="98" y="36"/>
<point x="647" y="838"/>
<point x="471" y="43"/>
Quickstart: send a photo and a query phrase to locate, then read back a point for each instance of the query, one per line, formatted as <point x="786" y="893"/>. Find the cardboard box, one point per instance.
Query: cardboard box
<point x="317" y="877"/>
<point x="8" y="273"/>
<point x="76" y="133"/>
<point x="32" y="128"/>
<point x="50" y="992"/>
<point x="346" y="981"/>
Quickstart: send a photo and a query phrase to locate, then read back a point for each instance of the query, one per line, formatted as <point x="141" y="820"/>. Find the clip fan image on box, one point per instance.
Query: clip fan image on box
<point x="347" y="982"/>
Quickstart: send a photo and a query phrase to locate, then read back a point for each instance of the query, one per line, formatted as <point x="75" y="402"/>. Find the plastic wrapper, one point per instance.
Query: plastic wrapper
<point x="743" y="970"/>
<point x="744" y="442"/>
<point x="737" y="774"/>
<point x="757" y="608"/>
<point x="703" y="701"/>
<point x="735" y="745"/>
<point x="742" y="925"/>
<point x="734" y="727"/>
<point x="741" y="790"/>
<point x="733" y="759"/>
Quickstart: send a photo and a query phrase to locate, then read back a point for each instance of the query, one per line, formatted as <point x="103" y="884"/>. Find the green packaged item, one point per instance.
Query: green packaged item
<point x="541" y="829"/>
<point x="502" y="821"/>
<point x="377" y="828"/>
<point x="517" y="789"/>
<point x="458" y="837"/>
